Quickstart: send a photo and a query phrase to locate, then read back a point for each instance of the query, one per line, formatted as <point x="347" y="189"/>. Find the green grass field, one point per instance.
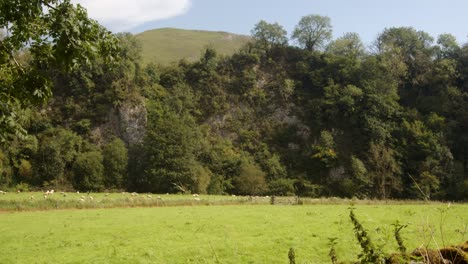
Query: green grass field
<point x="168" y="45"/>
<point x="244" y="233"/>
<point x="33" y="201"/>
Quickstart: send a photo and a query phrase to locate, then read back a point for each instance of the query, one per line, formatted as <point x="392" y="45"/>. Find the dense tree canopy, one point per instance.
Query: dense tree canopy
<point x="328" y="118"/>
<point x="39" y="35"/>
<point x="269" y="34"/>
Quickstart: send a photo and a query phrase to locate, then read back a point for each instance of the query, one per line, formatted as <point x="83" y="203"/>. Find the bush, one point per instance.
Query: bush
<point x="88" y="171"/>
<point x="218" y="185"/>
<point x="273" y="167"/>
<point x="251" y="180"/>
<point x="282" y="187"/>
<point x="202" y="178"/>
<point x="57" y="151"/>
<point x="25" y="170"/>
<point x="6" y="171"/>
<point x="115" y="160"/>
<point x="347" y="188"/>
<point x="305" y="188"/>
<point x="23" y="187"/>
<point x="82" y="127"/>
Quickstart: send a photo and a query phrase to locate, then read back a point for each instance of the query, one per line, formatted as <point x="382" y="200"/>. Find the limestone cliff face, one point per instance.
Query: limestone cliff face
<point x="131" y="122"/>
<point x="127" y="121"/>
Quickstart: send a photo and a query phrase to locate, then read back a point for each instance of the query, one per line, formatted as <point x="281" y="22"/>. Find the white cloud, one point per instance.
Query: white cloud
<point x="121" y="15"/>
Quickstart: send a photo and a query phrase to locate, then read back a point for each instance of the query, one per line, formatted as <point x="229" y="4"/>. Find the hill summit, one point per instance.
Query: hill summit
<point x="166" y="45"/>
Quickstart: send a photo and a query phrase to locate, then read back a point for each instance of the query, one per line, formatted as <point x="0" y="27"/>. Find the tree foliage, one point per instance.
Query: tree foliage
<point x="115" y="159"/>
<point x="251" y="180"/>
<point x="88" y="171"/>
<point x="349" y="45"/>
<point x="313" y="31"/>
<point x="43" y="34"/>
<point x="271" y="119"/>
<point x="269" y="35"/>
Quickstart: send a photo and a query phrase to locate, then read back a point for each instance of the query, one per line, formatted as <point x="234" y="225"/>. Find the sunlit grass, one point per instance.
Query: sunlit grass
<point x="65" y="200"/>
<point x="218" y="234"/>
<point x="27" y="201"/>
<point x="170" y="45"/>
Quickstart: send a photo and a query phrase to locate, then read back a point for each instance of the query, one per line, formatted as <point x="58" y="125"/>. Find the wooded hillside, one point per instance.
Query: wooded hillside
<point x="322" y="117"/>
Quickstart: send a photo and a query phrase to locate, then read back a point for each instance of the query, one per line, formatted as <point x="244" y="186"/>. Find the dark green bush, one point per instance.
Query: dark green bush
<point x="115" y="159"/>
<point x="282" y="187"/>
<point x="88" y="171"/>
<point x="251" y="180"/>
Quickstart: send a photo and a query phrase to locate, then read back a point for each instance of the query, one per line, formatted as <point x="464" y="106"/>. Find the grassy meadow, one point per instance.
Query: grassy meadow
<point x="168" y="45"/>
<point x="30" y="201"/>
<point x="243" y="233"/>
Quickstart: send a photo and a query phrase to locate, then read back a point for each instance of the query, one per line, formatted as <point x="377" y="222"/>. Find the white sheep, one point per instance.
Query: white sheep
<point x="149" y="196"/>
<point x="197" y="199"/>
<point x="91" y="198"/>
<point x="195" y="195"/>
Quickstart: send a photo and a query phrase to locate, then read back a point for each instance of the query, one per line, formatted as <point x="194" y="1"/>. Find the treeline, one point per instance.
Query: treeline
<point x="320" y="118"/>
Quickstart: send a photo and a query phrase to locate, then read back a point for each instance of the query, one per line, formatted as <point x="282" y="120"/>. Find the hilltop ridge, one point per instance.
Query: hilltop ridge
<point x="166" y="45"/>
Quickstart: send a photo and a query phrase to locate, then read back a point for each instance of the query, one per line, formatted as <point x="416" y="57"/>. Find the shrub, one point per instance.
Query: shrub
<point x="25" y="170"/>
<point x="6" y="171"/>
<point x="273" y="167"/>
<point x="218" y="185"/>
<point x="282" y="187"/>
<point x="305" y="188"/>
<point x="88" y="171"/>
<point x="251" y="180"/>
<point x="82" y="127"/>
<point x="115" y="160"/>
<point x="56" y="153"/>
<point x="202" y="178"/>
<point x="23" y="187"/>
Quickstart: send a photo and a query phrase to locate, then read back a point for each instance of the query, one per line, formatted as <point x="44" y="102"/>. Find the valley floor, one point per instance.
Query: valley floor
<point x="221" y="234"/>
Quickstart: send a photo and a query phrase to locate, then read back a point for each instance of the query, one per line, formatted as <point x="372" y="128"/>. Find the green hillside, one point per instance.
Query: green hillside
<point x="167" y="45"/>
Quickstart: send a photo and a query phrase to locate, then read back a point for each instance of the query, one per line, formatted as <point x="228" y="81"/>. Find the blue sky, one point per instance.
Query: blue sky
<point x="366" y="17"/>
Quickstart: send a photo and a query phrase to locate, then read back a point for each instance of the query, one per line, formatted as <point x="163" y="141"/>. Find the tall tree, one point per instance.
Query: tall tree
<point x="170" y="146"/>
<point x="448" y="45"/>
<point x="313" y="31"/>
<point x="269" y="34"/>
<point x="56" y="34"/>
<point x="349" y="45"/>
<point x="384" y="171"/>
